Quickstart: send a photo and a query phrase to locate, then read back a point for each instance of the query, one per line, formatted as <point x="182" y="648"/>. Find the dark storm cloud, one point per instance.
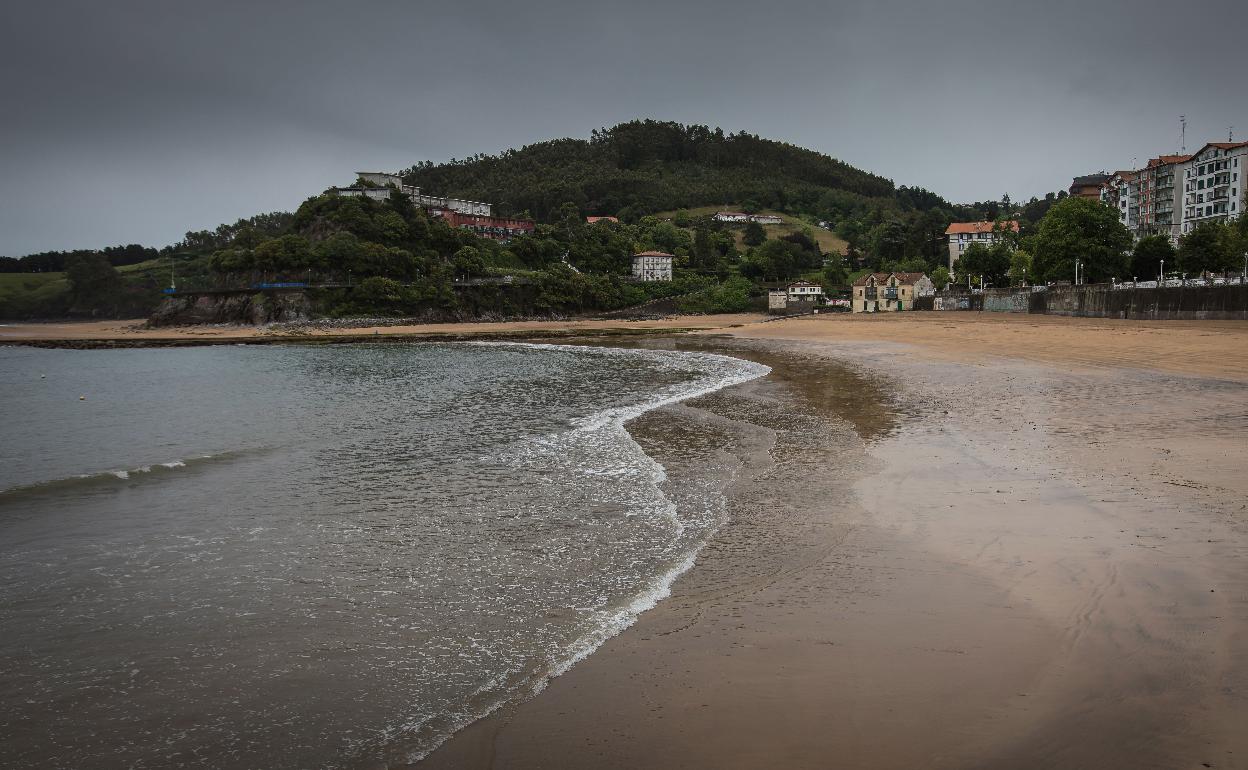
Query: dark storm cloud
<point x="136" y="121"/>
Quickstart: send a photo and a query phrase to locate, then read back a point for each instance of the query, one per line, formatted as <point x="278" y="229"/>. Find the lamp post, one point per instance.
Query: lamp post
<point x="1161" y="280"/>
<point x="1076" y="272"/>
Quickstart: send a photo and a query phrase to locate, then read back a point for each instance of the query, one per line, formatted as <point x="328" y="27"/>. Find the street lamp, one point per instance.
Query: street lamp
<point x="1076" y="272"/>
<point x="1161" y="281"/>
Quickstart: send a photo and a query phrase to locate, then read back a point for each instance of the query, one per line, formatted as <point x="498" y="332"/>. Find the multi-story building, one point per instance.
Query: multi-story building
<point x="1116" y="193"/>
<point x="1159" y="193"/>
<point x="652" y="266"/>
<point x="1212" y="184"/>
<point x="962" y="234"/>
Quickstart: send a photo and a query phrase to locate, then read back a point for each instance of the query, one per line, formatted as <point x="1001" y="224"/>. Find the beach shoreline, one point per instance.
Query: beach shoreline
<point x="955" y="540"/>
<point x="970" y="561"/>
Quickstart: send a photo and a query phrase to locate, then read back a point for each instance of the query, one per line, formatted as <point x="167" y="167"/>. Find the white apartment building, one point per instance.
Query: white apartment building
<point x="962" y="234"/>
<point x="1213" y="183"/>
<point x="652" y="266"/>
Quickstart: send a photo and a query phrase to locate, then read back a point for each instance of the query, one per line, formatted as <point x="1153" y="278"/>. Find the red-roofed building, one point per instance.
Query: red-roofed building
<point x="962" y="234"/>
<point x="596" y="220"/>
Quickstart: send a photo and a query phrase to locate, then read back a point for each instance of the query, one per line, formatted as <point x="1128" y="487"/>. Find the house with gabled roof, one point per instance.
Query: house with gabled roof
<point x="889" y="292"/>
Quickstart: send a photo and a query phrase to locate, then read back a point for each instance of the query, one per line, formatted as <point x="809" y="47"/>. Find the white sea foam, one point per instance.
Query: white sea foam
<point x="610" y="622"/>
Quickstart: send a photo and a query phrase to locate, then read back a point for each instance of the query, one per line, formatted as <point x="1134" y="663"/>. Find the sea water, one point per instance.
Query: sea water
<point x="329" y="556"/>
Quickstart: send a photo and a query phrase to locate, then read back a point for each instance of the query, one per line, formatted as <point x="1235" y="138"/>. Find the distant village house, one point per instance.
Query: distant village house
<point x="652" y="266"/>
<point x="596" y="220"/>
<point x="890" y="292"/>
<point x="804" y="291"/>
<point x="962" y="234"/>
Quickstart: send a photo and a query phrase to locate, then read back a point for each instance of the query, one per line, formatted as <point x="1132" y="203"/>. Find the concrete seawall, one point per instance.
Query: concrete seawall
<point x="1225" y="302"/>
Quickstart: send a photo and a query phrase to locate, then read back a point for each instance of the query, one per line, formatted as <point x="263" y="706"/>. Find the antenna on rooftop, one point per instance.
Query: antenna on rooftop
<point x="1230" y="134"/>
<point x="1183" y="134"/>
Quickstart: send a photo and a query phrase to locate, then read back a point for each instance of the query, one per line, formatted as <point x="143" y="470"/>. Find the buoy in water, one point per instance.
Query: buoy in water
<point x="82" y="398"/>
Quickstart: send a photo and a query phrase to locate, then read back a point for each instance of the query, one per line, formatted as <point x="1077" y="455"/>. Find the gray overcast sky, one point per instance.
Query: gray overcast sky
<point x="131" y="121"/>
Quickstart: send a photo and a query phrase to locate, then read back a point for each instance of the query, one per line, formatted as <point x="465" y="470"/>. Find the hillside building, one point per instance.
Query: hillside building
<point x="469" y="215"/>
<point x="1116" y="193"/>
<point x="596" y="220"/>
<point x="804" y="291"/>
<point x="737" y="216"/>
<point x="962" y="234"/>
<point x="652" y="266"/>
<point x="889" y="292"/>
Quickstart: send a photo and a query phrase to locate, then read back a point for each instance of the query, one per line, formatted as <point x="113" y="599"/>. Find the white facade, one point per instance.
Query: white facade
<point x="805" y="291"/>
<point x="1213" y="184"/>
<point x="386" y="182"/>
<point x="962" y="234"/>
<point x="737" y="216"/>
<point x="652" y="266"/>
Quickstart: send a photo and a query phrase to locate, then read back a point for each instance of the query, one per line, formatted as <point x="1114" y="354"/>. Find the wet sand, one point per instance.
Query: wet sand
<point x="1030" y="554"/>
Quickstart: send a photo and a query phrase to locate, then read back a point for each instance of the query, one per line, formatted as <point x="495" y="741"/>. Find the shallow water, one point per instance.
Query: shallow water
<point x="329" y="556"/>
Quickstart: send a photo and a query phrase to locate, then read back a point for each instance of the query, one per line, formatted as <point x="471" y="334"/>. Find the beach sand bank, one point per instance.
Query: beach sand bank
<point x="991" y="544"/>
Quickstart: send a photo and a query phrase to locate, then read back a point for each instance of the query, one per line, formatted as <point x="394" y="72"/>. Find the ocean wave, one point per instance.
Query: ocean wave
<point x="104" y="478"/>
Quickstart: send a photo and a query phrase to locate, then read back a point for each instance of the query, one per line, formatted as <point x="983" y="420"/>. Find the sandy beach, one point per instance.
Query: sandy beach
<point x="963" y="542"/>
<point x="955" y="540"/>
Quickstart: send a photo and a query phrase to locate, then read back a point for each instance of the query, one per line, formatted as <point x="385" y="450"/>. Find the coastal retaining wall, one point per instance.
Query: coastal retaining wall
<point x="1226" y="302"/>
<point x="1202" y="302"/>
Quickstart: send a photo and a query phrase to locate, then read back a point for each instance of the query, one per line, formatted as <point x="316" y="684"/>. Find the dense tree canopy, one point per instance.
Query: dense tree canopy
<point x="1083" y="230"/>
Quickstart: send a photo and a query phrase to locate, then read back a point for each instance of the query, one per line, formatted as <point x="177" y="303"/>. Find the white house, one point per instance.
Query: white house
<point x="652" y="266"/>
<point x="804" y="291"/>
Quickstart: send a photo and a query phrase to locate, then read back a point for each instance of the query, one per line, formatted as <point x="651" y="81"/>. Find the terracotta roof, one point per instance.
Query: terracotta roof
<point x="595" y="220"/>
<point x="1226" y="145"/>
<point x="977" y="227"/>
<point x="1166" y="160"/>
<point x="654" y="254"/>
<point x="862" y="279"/>
<point x="909" y="278"/>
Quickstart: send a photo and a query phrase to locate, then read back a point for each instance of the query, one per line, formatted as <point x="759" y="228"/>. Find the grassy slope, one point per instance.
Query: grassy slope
<point x="827" y="241"/>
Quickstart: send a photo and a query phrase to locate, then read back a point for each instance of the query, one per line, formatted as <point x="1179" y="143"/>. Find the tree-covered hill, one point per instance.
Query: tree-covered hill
<point x="643" y="167"/>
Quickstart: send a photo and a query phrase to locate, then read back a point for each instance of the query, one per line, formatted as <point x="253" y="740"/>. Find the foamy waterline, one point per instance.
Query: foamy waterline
<point x="613" y="622"/>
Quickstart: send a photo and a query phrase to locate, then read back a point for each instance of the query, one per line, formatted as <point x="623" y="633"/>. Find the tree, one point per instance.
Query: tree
<point x="1150" y="251"/>
<point x="1021" y="269"/>
<point x="834" y="272"/>
<point x="468" y="262"/>
<point x="992" y="264"/>
<point x="93" y="282"/>
<point x="704" y="254"/>
<point x="1080" y="229"/>
<point x="940" y="277"/>
<point x="1210" y="247"/>
<point x="755" y="235"/>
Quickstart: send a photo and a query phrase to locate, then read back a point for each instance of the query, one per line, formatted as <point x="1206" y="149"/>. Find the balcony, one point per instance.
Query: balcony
<point x="869" y="293"/>
<point x="890" y="293"/>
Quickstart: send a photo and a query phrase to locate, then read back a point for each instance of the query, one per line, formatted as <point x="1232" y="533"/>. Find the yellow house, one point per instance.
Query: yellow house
<point x="888" y="292"/>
